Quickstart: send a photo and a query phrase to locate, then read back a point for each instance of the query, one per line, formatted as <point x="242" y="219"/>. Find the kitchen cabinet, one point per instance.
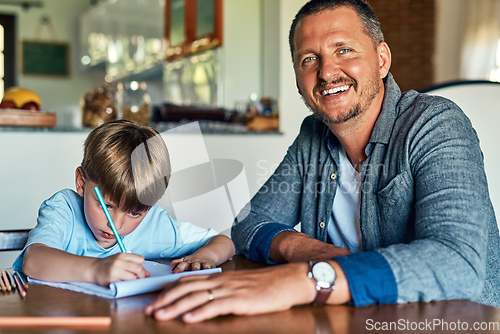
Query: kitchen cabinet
<point x="192" y="26"/>
<point x="128" y="37"/>
<point x="236" y="32"/>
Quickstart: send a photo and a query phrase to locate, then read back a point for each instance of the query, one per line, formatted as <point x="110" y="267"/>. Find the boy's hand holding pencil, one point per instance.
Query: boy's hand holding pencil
<point x="119" y="267"/>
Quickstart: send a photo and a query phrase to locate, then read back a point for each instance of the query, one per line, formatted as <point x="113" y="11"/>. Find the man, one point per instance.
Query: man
<point x="389" y="189"/>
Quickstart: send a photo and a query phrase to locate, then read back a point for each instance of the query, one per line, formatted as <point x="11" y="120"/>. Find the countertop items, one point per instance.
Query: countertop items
<point x="19" y="117"/>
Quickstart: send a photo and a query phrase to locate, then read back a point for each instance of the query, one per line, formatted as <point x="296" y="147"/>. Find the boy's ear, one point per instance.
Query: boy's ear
<point x="79" y="181"/>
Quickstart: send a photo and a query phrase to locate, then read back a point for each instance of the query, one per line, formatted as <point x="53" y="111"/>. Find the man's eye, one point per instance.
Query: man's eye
<point x="345" y="50"/>
<point x="308" y="59"/>
<point x="135" y="214"/>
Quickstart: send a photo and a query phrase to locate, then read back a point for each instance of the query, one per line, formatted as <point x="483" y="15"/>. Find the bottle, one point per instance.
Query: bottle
<point x="98" y="106"/>
<point x="135" y="102"/>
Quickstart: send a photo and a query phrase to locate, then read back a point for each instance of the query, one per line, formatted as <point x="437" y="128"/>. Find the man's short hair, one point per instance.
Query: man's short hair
<point x="129" y="162"/>
<point x="363" y="9"/>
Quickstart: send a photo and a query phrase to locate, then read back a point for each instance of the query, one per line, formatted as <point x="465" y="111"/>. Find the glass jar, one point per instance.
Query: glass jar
<point x="135" y="102"/>
<point x="99" y="106"/>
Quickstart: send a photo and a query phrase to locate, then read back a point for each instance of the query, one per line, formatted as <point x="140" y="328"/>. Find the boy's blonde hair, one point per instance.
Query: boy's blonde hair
<point x="129" y="162"/>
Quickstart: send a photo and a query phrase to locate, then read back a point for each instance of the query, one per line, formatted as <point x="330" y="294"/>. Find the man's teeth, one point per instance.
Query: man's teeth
<point x="335" y="90"/>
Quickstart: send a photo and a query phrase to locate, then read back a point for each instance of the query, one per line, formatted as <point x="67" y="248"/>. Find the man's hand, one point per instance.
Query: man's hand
<point x="246" y="292"/>
<point x="291" y="246"/>
<point x="118" y="267"/>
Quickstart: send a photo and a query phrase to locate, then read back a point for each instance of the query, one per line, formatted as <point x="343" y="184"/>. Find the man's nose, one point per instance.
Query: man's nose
<point x="329" y="69"/>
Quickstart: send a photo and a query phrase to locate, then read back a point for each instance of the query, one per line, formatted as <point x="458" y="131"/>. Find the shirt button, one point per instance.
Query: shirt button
<point x="322" y="224"/>
<point x="333" y="176"/>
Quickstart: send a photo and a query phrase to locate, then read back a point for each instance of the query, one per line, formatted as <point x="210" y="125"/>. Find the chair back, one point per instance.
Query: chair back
<point x="480" y="100"/>
<point x="11" y="240"/>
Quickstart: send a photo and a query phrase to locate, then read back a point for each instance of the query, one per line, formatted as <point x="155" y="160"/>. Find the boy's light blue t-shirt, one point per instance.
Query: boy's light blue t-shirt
<point x="61" y="224"/>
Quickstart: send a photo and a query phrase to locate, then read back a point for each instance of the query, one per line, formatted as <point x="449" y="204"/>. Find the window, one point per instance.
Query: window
<point x="495" y="72"/>
<point x="7" y="52"/>
<point x="480" y="46"/>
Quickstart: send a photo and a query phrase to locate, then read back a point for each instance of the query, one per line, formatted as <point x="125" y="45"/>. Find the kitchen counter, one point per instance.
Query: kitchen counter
<point x="207" y="127"/>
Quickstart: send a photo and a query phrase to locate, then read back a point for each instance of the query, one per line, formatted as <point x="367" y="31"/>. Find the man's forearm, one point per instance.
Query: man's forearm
<point x="291" y="246"/>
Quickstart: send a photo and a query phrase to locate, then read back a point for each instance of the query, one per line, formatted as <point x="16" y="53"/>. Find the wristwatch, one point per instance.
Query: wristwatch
<point x="324" y="275"/>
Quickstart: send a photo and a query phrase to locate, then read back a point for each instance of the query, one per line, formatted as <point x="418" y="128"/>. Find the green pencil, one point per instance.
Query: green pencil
<point x="110" y="220"/>
<point x="11" y="278"/>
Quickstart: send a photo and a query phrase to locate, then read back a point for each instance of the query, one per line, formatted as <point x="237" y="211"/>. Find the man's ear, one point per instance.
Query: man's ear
<point x="298" y="88"/>
<point x="385" y="58"/>
<point x="79" y="181"/>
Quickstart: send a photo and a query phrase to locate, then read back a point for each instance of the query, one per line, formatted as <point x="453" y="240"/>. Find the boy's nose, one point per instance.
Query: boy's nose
<point x="118" y="221"/>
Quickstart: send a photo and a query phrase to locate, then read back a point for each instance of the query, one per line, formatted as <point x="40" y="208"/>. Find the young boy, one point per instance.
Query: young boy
<point x="73" y="240"/>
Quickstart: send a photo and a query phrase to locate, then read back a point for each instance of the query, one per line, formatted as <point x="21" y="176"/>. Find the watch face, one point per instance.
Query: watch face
<point x="324" y="274"/>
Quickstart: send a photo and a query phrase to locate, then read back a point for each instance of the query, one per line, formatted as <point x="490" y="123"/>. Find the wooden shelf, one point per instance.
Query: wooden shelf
<point x="15" y="117"/>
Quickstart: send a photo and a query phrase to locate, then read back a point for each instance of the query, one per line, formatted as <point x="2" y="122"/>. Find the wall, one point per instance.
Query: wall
<point x="408" y="28"/>
<point x="241" y="53"/>
<point x="449" y="32"/>
<point x="271" y="45"/>
<point x="425" y="39"/>
<point x="481" y="103"/>
<point x="34" y="166"/>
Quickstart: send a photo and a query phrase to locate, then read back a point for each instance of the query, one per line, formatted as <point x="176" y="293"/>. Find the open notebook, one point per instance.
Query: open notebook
<point x="161" y="275"/>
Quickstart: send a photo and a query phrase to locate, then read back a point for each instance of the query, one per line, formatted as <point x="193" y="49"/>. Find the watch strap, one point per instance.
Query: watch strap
<point x="322" y="295"/>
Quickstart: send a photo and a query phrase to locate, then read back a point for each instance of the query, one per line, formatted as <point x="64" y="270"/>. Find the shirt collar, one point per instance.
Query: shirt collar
<point x="387" y="116"/>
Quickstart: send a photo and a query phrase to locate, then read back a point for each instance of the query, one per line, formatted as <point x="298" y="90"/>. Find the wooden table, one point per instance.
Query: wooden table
<point x="128" y="317"/>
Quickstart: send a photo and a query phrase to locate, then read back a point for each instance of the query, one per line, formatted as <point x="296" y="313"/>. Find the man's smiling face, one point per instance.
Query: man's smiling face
<point x="338" y="68"/>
